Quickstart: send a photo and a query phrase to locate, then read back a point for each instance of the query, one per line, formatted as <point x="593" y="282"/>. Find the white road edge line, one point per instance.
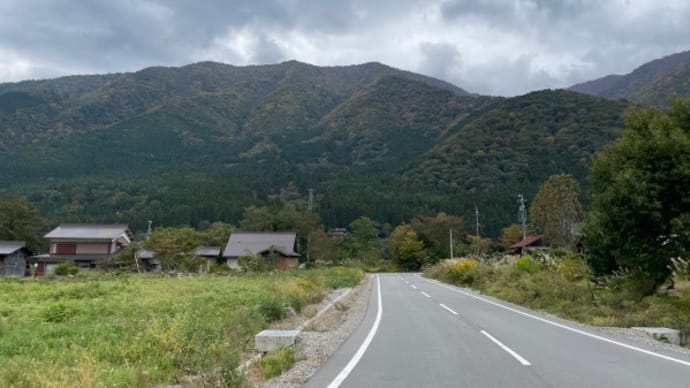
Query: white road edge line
<point x="425" y="294"/>
<point x="448" y="308"/>
<point x="363" y="348"/>
<point x="647" y="352"/>
<point x="507" y="349"/>
<point x="413" y="286"/>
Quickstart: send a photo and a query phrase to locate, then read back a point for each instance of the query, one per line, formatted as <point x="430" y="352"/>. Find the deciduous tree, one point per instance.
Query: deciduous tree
<point x="556" y="211"/>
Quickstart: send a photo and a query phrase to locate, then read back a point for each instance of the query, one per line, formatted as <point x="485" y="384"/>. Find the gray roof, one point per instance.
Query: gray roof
<point x="240" y="243"/>
<point x="206" y="251"/>
<point x="9" y="247"/>
<point x="145" y="254"/>
<point x="89" y="232"/>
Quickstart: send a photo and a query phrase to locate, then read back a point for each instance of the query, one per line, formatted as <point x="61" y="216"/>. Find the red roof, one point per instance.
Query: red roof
<point x="527" y="241"/>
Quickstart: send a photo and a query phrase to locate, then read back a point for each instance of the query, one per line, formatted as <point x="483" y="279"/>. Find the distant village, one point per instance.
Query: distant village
<point x="89" y="246"/>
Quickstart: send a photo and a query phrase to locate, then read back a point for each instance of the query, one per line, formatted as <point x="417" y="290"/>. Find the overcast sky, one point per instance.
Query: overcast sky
<point x="498" y="47"/>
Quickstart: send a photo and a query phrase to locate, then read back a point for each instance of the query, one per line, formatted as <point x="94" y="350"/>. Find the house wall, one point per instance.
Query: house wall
<point x="232" y="263"/>
<point x="283" y="263"/>
<point x="93" y="248"/>
<point x="84" y="248"/>
<point x="13" y="265"/>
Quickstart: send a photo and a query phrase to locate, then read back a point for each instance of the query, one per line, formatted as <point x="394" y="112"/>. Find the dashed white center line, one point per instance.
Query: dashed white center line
<point x="425" y="294"/>
<point x="448" y="308"/>
<point x="507" y="349"/>
<point x="413" y="286"/>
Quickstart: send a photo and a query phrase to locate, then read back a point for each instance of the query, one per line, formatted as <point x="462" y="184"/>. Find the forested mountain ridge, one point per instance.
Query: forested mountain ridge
<point x="202" y="142"/>
<point x="652" y="83"/>
<point x="32" y="110"/>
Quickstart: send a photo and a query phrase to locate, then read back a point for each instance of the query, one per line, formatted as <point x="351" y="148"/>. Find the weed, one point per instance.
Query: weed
<point x="274" y="364"/>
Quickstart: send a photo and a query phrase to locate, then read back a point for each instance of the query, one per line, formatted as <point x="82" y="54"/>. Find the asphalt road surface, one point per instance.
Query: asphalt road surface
<point x="421" y="333"/>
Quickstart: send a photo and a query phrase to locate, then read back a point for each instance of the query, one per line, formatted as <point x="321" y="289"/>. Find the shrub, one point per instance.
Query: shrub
<point x="274" y="364"/>
<point x="528" y="264"/>
<point x="252" y="263"/>
<point x="680" y="268"/>
<point x="64" y="269"/>
<point x="461" y="271"/>
<point x="573" y="268"/>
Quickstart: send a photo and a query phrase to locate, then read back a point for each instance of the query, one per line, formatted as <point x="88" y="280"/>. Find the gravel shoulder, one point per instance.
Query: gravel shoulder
<point x="322" y="335"/>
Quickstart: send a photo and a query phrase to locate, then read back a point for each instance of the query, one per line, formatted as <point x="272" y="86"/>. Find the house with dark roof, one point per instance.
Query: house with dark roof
<point x="280" y="246"/>
<point x="83" y="245"/>
<point x="529" y="242"/>
<point x="13" y="258"/>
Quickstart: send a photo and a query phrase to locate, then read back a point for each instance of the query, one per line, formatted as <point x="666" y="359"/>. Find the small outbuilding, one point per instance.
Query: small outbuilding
<point x="529" y="242"/>
<point x="280" y="245"/>
<point x="13" y="258"/>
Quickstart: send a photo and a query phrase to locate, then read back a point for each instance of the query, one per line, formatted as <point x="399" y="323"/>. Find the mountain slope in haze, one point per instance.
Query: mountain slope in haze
<point x="636" y="85"/>
<point x="202" y="142"/>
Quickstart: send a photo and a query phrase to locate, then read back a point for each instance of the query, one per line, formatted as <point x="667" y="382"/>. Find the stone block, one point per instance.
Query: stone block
<point x="270" y="340"/>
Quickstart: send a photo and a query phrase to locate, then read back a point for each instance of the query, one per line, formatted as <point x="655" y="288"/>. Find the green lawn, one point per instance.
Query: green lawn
<point x="144" y="330"/>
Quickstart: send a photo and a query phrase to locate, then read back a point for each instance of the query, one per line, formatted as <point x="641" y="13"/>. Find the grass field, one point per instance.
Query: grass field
<point x="137" y="330"/>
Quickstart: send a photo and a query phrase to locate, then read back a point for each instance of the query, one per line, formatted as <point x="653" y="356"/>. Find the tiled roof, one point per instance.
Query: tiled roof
<point x="241" y="243"/>
<point x="9" y="247"/>
<point x="89" y="232"/>
<point x="206" y="251"/>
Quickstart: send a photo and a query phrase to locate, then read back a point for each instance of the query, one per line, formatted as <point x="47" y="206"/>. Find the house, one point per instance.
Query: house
<point x="529" y="242"/>
<point x="281" y="246"/>
<point x="13" y="258"/>
<point x="209" y="254"/>
<point x="83" y="245"/>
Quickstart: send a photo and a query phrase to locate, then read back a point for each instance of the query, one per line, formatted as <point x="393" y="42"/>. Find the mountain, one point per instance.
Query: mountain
<point x="201" y="142"/>
<point x="653" y="83"/>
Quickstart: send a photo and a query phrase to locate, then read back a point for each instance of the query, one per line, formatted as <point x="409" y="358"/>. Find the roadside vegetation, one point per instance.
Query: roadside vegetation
<point x="562" y="284"/>
<point x="100" y="329"/>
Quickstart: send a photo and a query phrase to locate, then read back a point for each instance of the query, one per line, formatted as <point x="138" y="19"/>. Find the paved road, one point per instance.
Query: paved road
<point x="432" y="335"/>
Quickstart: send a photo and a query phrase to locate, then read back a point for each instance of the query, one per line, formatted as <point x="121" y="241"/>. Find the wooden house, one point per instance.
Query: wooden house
<point x="278" y="246"/>
<point x="83" y="245"/>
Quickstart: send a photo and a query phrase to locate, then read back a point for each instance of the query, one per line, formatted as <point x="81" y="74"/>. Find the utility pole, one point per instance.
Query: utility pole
<point x="451" y="243"/>
<point x="148" y="230"/>
<point x="310" y="205"/>
<point x="522" y="215"/>
<point x="476" y="222"/>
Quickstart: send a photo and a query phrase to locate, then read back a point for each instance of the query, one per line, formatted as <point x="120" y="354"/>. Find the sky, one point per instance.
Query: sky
<point x="494" y="47"/>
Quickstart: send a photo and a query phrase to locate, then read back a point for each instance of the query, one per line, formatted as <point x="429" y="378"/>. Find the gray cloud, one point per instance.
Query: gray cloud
<point x="500" y="47"/>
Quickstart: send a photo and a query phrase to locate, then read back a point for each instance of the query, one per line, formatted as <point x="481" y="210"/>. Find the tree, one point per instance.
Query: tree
<point x="406" y="250"/>
<point x="478" y="245"/>
<point x="363" y="242"/>
<point x="511" y="235"/>
<point x="174" y="247"/>
<point x="556" y="211"/>
<point x="641" y="197"/>
<point x="434" y="233"/>
<point x="20" y="222"/>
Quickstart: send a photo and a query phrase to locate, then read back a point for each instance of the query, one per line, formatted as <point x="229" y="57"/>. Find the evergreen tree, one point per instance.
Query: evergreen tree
<point x="641" y="196"/>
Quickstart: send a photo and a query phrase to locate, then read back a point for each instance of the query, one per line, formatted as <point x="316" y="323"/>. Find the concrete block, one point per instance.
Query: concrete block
<point x="664" y="334"/>
<point x="270" y="340"/>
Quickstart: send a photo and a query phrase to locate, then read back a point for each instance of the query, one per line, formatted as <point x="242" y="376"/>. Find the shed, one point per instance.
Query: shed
<point x="13" y="258"/>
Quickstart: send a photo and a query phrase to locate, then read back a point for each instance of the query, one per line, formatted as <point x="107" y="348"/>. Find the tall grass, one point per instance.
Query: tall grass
<point x="562" y="286"/>
<point x="142" y="330"/>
